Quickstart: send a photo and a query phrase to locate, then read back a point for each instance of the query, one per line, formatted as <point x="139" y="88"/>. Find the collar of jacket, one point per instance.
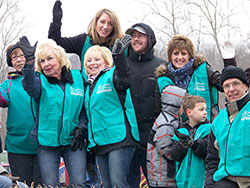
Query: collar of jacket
<point x="14" y="74"/>
<point x="236" y="106"/>
<point x="139" y="56"/>
<point x="66" y="77"/>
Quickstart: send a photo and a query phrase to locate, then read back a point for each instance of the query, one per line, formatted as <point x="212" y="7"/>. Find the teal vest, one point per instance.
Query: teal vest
<point x="86" y="46"/>
<point x="191" y="171"/>
<point x="106" y="115"/>
<point x="59" y="110"/>
<point x="234" y="143"/>
<point x="19" y="120"/>
<point x="198" y="85"/>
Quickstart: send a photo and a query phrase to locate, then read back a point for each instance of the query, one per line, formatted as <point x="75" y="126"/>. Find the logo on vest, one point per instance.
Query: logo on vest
<point x="199" y="86"/>
<point x="104" y="88"/>
<point x="245" y="116"/>
<point x="76" y="91"/>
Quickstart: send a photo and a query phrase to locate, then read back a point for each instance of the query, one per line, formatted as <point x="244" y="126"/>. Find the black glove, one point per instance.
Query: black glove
<point x="121" y="45"/>
<point x="57" y="12"/>
<point x="28" y="50"/>
<point x="247" y="71"/>
<point x="80" y="134"/>
<point x="184" y="140"/>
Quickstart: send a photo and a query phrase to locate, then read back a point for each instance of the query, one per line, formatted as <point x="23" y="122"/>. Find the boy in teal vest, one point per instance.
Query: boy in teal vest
<point x="189" y="143"/>
<point x="228" y="143"/>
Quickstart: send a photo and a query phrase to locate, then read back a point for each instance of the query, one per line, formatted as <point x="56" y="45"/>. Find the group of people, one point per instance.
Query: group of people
<point x="123" y="110"/>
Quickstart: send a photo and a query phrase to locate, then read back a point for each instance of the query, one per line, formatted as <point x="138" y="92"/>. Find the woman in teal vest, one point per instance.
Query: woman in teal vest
<point x="192" y="72"/>
<point x="22" y="151"/>
<point x="103" y="30"/>
<point x="61" y="123"/>
<point x="112" y="128"/>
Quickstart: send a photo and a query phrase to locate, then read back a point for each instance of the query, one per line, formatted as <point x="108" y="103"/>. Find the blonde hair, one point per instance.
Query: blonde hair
<point x="116" y="31"/>
<point x="180" y="42"/>
<point x="44" y="49"/>
<point x="105" y="53"/>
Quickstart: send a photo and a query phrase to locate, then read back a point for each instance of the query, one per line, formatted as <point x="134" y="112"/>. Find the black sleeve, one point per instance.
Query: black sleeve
<point x="178" y="152"/>
<point x="70" y="44"/>
<point x="121" y="75"/>
<point x="157" y="107"/>
<point x="212" y="161"/>
<point x="200" y="147"/>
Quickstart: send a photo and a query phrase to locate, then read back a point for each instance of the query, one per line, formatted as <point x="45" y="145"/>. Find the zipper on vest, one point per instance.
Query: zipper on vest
<point x="62" y="113"/>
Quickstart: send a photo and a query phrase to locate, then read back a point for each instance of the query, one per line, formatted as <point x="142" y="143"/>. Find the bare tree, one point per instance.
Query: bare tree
<point x="11" y="25"/>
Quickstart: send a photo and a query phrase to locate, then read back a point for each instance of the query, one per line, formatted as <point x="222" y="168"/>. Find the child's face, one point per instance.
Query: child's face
<point x="199" y="113"/>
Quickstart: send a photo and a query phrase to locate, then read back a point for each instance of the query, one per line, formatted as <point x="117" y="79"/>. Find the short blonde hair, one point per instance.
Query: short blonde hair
<point x="105" y="53"/>
<point x="44" y="48"/>
<point x="180" y="42"/>
<point x="116" y="32"/>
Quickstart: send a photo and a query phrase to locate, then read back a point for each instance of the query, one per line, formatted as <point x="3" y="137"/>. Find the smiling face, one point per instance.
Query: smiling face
<point x="104" y="26"/>
<point x="18" y="59"/>
<point x="50" y="65"/>
<point x="234" y="89"/>
<point x="179" y="58"/>
<point x="95" y="63"/>
<point x="139" y="42"/>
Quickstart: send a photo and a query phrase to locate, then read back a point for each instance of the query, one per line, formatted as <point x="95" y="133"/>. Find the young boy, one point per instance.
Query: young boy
<point x="160" y="165"/>
<point x="189" y="146"/>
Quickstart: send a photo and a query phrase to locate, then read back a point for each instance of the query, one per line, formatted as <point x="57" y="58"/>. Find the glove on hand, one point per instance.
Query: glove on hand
<point x="79" y="136"/>
<point x="57" y="12"/>
<point x="228" y="50"/>
<point x="27" y="49"/>
<point x="185" y="140"/>
<point x="121" y="45"/>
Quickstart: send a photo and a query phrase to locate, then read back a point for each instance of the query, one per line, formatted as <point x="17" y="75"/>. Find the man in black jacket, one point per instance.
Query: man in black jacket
<point x="142" y="63"/>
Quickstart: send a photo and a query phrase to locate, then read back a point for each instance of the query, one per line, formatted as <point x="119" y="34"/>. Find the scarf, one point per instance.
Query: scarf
<point x="181" y="75"/>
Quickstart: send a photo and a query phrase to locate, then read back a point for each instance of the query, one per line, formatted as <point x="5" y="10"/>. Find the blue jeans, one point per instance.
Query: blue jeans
<point x="94" y="181"/>
<point x="114" y="167"/>
<point x="6" y="182"/>
<point x="139" y="160"/>
<point x="75" y="162"/>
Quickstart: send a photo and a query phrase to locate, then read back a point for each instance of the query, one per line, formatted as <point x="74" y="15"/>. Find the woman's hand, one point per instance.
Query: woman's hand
<point x="57" y="12"/>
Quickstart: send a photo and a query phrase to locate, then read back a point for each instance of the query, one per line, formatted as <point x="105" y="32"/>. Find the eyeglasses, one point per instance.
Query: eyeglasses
<point x="235" y="84"/>
<point x="139" y="36"/>
<point x="21" y="56"/>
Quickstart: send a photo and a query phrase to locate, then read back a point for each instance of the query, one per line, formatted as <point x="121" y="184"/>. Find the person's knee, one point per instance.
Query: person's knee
<point x="5" y="182"/>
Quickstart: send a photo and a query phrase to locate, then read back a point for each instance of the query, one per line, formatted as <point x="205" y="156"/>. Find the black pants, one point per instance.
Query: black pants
<point x="26" y="167"/>
<point x="225" y="183"/>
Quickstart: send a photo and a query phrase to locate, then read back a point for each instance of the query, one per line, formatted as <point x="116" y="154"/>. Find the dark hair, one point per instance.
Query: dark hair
<point x="190" y="101"/>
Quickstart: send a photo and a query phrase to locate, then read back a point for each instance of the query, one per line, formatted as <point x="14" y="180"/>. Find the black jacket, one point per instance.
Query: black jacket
<point x="142" y="67"/>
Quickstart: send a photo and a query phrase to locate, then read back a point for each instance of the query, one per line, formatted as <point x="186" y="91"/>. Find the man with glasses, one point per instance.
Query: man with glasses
<point x="228" y="155"/>
<point x="22" y="151"/>
<point x="142" y="63"/>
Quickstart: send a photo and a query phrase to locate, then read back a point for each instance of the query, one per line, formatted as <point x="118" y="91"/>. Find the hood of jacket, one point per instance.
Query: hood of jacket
<point x="162" y="70"/>
<point x="151" y="37"/>
<point x="14" y="74"/>
<point x="171" y="99"/>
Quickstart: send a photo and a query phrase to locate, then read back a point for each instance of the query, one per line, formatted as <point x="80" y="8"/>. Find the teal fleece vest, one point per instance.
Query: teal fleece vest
<point x="234" y="143"/>
<point x="19" y="119"/>
<point x="191" y="171"/>
<point x="198" y="85"/>
<point x="59" y="110"/>
<point x="106" y="115"/>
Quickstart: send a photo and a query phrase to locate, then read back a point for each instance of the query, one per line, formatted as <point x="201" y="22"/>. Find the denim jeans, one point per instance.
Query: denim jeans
<point x="139" y="160"/>
<point x="114" y="167"/>
<point x="75" y="162"/>
<point x="6" y="182"/>
<point x="94" y="181"/>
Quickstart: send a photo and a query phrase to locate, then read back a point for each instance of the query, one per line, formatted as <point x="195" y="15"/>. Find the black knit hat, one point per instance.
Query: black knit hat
<point x="9" y="51"/>
<point x="233" y="72"/>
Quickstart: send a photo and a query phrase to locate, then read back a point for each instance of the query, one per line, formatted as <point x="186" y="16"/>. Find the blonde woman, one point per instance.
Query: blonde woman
<point x="112" y="128"/>
<point x="103" y="30"/>
<point x="60" y="126"/>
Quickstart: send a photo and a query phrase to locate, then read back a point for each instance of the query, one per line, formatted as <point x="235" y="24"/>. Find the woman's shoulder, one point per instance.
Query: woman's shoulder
<point x="199" y="59"/>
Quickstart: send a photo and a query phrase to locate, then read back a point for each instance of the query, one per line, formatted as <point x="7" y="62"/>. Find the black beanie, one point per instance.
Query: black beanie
<point x="8" y="58"/>
<point x="233" y="72"/>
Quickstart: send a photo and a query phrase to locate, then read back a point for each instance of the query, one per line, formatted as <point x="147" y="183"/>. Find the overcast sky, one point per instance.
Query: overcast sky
<point x="77" y="14"/>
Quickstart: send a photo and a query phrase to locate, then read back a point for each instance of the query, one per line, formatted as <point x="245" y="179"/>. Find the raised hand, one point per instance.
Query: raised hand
<point x="121" y="45"/>
<point x="57" y="12"/>
<point x="28" y="50"/>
